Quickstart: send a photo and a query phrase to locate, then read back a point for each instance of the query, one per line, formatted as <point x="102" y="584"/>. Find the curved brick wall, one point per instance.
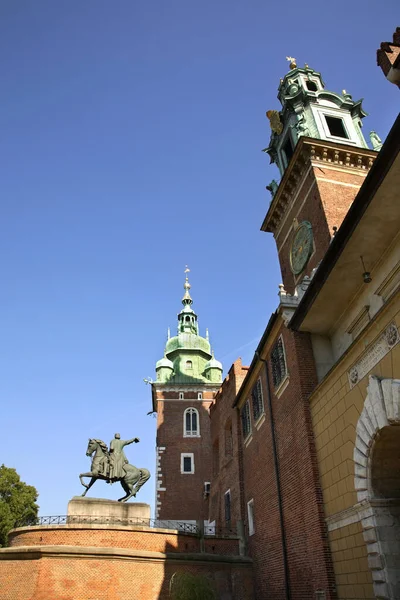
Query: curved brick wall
<point x="144" y="538"/>
<point x="104" y="563"/>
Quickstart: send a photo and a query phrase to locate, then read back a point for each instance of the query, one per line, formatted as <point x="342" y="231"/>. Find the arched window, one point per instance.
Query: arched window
<point x="191" y="425"/>
<point x="189" y="364"/>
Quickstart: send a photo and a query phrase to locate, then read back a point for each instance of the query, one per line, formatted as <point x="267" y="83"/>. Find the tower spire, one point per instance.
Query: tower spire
<point x="187" y="300"/>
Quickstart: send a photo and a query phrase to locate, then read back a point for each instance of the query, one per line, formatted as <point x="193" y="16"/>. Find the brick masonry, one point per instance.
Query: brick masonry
<point x="93" y="563"/>
<point x="180" y="496"/>
<point x="225" y="436"/>
<point x="308" y="556"/>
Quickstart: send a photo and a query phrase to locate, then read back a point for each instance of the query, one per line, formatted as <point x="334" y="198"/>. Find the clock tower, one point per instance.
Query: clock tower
<point x="322" y="156"/>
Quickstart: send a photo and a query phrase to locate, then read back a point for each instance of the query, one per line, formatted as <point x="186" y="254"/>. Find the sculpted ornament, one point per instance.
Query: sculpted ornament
<point x="112" y="465"/>
<point x="274" y="121"/>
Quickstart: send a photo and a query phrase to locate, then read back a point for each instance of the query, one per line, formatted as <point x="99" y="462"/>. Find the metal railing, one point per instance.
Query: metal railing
<point x="181" y="526"/>
<point x="188" y="527"/>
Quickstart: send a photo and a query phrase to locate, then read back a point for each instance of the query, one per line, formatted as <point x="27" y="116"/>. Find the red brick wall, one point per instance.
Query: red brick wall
<point x="105" y="563"/>
<point x="308" y="554"/>
<point x="184" y="498"/>
<point x="324" y="204"/>
<point x="106" y="536"/>
<point x="224" y="424"/>
<point x="99" y="578"/>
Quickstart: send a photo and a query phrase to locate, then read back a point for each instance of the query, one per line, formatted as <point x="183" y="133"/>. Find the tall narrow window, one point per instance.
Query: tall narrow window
<point x="257" y="400"/>
<point x="228" y="507"/>
<point x="250" y="516"/>
<point x="191" y="427"/>
<point x="278" y="363"/>
<point x="245" y="415"/>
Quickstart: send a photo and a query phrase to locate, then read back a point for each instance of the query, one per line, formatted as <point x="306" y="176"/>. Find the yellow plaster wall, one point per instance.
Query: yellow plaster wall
<point x="352" y="573"/>
<point x="335" y="411"/>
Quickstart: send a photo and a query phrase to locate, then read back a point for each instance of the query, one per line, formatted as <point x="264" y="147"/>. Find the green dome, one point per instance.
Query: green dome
<point x="164" y="363"/>
<point x="187" y="341"/>
<point x="213" y="364"/>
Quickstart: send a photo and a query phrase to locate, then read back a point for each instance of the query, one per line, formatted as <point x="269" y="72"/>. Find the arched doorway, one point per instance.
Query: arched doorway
<point x="377" y="481"/>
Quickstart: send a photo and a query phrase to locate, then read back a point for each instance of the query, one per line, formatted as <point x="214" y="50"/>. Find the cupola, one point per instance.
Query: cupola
<point x="309" y="110"/>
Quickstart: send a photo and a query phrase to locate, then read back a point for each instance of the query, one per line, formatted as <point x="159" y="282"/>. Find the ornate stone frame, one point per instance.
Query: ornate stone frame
<point x="381" y="409"/>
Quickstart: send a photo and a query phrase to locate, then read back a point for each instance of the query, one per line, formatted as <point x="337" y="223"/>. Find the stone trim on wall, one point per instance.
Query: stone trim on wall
<point x="381" y="409"/>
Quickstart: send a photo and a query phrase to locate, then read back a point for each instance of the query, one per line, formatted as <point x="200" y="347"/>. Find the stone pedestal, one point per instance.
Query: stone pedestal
<point x="99" y="510"/>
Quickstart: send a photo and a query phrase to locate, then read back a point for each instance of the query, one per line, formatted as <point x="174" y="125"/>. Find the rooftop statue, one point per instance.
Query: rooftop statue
<point x="375" y="141"/>
<point x="112" y="465"/>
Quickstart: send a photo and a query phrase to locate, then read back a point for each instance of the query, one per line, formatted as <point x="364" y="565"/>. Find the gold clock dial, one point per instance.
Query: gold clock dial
<point x="301" y="248"/>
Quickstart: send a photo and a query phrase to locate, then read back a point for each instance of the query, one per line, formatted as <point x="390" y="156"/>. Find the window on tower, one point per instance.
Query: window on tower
<point x="191" y="427"/>
<point x="187" y="463"/>
<point x="311" y="85"/>
<point x="228" y="507"/>
<point x="189" y="364"/>
<point x="336" y="127"/>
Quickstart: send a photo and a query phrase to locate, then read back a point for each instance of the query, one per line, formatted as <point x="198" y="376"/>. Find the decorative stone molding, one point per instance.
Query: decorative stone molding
<point x="373" y="354"/>
<point x="381" y="409"/>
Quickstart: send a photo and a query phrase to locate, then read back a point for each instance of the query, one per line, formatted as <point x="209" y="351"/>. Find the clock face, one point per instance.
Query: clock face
<point x="302" y="247"/>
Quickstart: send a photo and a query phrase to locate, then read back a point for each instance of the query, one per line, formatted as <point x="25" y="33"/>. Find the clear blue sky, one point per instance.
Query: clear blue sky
<point x="131" y="137"/>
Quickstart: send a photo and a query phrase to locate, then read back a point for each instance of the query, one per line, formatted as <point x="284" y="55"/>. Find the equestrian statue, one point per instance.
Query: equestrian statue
<point x="112" y="465"/>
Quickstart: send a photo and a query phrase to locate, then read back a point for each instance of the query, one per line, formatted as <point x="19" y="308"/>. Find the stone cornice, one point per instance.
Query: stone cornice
<point x="313" y="151"/>
<point x="35" y="552"/>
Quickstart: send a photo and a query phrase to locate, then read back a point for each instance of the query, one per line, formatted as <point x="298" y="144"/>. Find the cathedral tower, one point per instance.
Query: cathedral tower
<point x="323" y="159"/>
<point x="188" y="378"/>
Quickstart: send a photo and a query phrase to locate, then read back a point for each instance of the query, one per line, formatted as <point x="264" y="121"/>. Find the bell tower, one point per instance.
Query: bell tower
<point x="188" y="378"/>
<point x="322" y="156"/>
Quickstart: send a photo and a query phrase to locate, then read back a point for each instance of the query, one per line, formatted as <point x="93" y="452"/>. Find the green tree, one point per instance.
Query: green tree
<point x="185" y="586"/>
<point x="17" y="502"/>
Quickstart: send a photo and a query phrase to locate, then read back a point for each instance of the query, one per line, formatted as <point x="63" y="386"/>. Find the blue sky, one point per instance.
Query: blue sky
<point x="131" y="137"/>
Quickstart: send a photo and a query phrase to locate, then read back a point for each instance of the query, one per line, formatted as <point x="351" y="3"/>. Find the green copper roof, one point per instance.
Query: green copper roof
<point x="188" y="353"/>
<point x="309" y="110"/>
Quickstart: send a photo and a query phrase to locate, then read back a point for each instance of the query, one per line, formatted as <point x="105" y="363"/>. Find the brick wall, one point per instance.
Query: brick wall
<point x="323" y="200"/>
<point x="181" y="496"/>
<point x="108" y="563"/>
<point x="225" y="437"/>
<point x="147" y="539"/>
<point x="74" y="577"/>
<point x="308" y="555"/>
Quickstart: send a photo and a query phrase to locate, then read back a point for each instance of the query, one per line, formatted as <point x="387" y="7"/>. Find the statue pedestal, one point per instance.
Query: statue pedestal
<point x="99" y="510"/>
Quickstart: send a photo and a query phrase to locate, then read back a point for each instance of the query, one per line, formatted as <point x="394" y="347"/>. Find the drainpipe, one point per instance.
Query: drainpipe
<point x="278" y="482"/>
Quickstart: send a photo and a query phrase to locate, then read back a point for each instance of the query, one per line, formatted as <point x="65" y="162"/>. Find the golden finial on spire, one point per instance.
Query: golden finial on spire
<point x="186" y="298"/>
<point x="292" y="62"/>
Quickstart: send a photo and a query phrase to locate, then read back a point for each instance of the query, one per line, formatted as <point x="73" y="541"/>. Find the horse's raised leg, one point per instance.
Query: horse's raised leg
<point x="91" y="482"/>
<point x="144" y="476"/>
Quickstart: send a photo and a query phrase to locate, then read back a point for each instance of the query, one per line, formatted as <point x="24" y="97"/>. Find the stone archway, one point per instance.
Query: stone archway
<point x="377" y="481"/>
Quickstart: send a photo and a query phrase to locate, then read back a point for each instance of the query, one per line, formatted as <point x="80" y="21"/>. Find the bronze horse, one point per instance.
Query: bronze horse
<point x="132" y="481"/>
